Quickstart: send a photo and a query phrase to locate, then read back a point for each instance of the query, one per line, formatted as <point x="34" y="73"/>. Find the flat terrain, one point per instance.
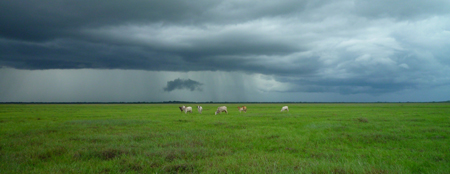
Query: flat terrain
<point x="158" y="138"/>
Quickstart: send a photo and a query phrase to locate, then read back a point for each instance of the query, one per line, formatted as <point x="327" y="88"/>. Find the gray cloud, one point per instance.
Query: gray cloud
<point x="402" y="10"/>
<point x="343" y="46"/>
<point x="179" y="84"/>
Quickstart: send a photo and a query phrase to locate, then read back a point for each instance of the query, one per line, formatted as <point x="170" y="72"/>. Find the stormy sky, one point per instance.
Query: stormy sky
<point x="229" y="50"/>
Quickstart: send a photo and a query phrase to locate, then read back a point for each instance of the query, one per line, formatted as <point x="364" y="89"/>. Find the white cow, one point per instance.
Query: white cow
<point x="221" y="109"/>
<point x="284" y="108"/>
<point x="243" y="108"/>
<point x="188" y="109"/>
<point x="200" y="109"/>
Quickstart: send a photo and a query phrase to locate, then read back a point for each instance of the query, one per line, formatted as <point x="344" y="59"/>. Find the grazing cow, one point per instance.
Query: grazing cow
<point x="199" y="108"/>
<point x="284" y="108"/>
<point x="221" y="109"/>
<point x="182" y="108"/>
<point x="188" y="109"/>
<point x="243" y="108"/>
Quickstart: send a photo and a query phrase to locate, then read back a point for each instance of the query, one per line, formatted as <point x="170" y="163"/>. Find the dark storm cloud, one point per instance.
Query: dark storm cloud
<point x="50" y="19"/>
<point x="179" y="84"/>
<point x="340" y="46"/>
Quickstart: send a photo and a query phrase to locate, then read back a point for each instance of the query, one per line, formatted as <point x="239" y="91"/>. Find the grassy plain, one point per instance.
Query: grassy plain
<point x="158" y="138"/>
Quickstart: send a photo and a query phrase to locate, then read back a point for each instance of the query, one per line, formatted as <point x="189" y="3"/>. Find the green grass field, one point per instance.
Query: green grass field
<point x="158" y="138"/>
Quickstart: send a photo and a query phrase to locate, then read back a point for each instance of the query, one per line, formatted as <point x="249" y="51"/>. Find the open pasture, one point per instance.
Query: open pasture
<point x="159" y="138"/>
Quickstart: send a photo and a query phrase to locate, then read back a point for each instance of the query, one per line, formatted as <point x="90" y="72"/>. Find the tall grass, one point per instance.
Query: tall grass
<point x="158" y="138"/>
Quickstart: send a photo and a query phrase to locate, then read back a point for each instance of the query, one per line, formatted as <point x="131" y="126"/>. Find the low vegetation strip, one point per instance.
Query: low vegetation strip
<point x="158" y="138"/>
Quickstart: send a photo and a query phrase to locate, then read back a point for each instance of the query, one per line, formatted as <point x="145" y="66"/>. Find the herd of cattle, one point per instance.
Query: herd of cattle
<point x="221" y="109"/>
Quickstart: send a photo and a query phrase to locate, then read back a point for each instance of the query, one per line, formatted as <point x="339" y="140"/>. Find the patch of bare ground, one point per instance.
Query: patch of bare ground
<point x="180" y="168"/>
<point x="104" y="154"/>
<point x="362" y="120"/>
